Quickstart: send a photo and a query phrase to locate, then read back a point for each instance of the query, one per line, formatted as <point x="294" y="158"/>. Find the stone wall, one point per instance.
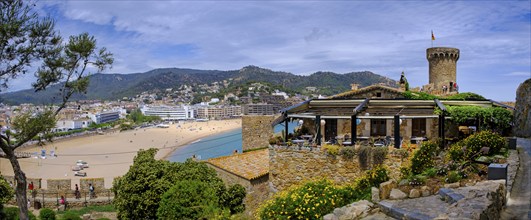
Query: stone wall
<point x="256" y="131"/>
<point x="59" y="185"/>
<point x="291" y="166"/>
<point x="522" y="113"/>
<point x="98" y="183"/>
<point x="257" y="189"/>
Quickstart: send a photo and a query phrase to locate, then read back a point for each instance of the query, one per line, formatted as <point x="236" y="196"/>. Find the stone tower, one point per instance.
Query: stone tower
<point x="442" y="65"/>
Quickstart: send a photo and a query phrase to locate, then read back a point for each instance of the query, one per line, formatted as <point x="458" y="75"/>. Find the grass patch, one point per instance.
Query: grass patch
<point x="89" y="209"/>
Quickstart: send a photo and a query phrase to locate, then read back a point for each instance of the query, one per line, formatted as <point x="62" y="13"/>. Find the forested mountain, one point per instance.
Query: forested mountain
<point x="116" y="86"/>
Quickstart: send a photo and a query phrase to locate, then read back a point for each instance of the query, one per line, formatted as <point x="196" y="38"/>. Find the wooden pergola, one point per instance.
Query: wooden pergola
<point x="354" y="109"/>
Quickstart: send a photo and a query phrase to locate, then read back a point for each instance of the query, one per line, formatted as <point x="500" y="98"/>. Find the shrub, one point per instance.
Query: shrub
<point x="364" y="157"/>
<point x="70" y="216"/>
<point x="331" y="149"/>
<point x="233" y="199"/>
<point x="312" y="200"/>
<point x="423" y="158"/>
<point x="187" y="199"/>
<point x="453" y="176"/>
<point x="12" y="213"/>
<point x="347" y="153"/>
<point x="378" y="155"/>
<point x="372" y="177"/>
<point x="430" y="172"/>
<point x="484" y="139"/>
<point x="417" y="180"/>
<point x="46" y="214"/>
<point x="456" y="152"/>
<point x="309" y="201"/>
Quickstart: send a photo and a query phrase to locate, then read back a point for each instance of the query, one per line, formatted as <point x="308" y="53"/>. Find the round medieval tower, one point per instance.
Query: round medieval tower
<point x="443" y="62"/>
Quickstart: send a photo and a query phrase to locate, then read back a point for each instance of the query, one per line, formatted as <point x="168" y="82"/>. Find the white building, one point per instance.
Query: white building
<point x="104" y="117"/>
<point x="71" y="124"/>
<point x="169" y="113"/>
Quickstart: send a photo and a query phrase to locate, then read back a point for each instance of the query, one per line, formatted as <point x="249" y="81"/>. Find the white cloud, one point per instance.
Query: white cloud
<point x="304" y="37"/>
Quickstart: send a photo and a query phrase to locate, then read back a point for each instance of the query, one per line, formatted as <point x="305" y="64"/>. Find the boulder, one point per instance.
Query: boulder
<point x="375" y="194"/>
<point x="330" y="217"/>
<point x="397" y="194"/>
<point x="86" y="217"/>
<point x="385" y="189"/>
<point x="414" y="193"/>
<point x="522" y="112"/>
<point x="452" y="185"/>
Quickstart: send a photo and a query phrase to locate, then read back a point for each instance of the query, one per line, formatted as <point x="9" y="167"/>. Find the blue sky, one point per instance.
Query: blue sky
<point x="302" y="37"/>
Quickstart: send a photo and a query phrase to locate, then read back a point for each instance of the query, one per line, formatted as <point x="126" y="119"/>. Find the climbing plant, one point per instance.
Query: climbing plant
<point x="493" y="118"/>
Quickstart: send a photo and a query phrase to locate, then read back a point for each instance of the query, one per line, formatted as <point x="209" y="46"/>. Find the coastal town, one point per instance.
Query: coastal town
<point x="245" y="110"/>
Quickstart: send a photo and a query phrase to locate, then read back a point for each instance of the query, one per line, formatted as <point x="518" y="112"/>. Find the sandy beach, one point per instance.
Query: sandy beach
<point x="109" y="155"/>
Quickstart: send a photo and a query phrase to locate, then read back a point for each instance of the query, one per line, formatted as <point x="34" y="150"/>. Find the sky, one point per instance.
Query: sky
<point x="303" y="37"/>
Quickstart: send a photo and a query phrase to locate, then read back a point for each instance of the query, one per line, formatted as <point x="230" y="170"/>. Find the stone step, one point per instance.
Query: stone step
<point x="450" y="196"/>
<point x="392" y="210"/>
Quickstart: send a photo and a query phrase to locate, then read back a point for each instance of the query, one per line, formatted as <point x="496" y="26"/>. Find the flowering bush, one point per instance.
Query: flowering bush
<point x="315" y="199"/>
<point x="423" y="158"/>
<point x="485" y="139"/>
<point x="331" y="149"/>
<point x="309" y="201"/>
<point x="470" y="147"/>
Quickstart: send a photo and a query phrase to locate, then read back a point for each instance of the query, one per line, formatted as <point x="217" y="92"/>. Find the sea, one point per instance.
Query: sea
<point x="217" y="145"/>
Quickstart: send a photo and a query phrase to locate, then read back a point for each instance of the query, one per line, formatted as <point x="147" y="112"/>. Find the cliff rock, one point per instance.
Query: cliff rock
<point x="522" y="113"/>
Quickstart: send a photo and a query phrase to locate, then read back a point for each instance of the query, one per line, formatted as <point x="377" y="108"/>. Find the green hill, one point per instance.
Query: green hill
<point x="116" y="86"/>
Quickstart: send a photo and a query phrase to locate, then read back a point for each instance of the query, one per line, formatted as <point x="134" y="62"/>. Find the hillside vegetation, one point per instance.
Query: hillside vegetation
<point x="117" y="86"/>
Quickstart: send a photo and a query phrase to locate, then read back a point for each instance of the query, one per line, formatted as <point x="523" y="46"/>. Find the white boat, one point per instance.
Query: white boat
<point x="163" y="126"/>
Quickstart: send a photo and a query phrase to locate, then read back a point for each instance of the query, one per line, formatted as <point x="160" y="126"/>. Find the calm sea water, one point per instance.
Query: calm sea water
<point x="216" y="145"/>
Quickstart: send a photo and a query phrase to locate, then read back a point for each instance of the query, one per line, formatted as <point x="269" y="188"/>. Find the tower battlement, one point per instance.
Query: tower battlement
<point x="438" y="53"/>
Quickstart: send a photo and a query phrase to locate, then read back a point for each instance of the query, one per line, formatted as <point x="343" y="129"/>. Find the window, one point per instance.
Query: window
<point x="378" y="127"/>
<point x="378" y="94"/>
<point x="419" y="127"/>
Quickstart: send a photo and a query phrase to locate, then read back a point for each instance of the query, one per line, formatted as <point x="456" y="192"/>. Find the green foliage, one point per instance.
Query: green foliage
<point x="347" y="153"/>
<point x="139" y="118"/>
<point x="423" y="158"/>
<point x="469" y="96"/>
<point x="46" y="214"/>
<point x="12" y="213"/>
<point x="372" y="178"/>
<point x="430" y="172"/>
<point x="417" y="180"/>
<point x="453" y="176"/>
<point x="469" y="148"/>
<point x="89" y="209"/>
<point x="419" y="95"/>
<point x="70" y="215"/>
<point x="233" y="199"/>
<point x="187" y="199"/>
<point x="493" y="118"/>
<point x="364" y="157"/>
<point x="331" y="149"/>
<point x="6" y="191"/>
<point x="140" y="190"/>
<point x="378" y="155"/>
<point x="314" y="199"/>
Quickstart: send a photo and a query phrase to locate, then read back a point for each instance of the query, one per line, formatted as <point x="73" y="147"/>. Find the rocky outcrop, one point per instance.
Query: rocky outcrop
<point x="522" y="113"/>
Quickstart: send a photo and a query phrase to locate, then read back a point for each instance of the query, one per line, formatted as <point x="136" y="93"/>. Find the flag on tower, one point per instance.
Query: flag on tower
<point x="432" y="36"/>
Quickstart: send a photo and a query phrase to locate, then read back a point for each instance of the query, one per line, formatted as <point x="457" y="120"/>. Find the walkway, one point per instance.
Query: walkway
<point x="519" y="202"/>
